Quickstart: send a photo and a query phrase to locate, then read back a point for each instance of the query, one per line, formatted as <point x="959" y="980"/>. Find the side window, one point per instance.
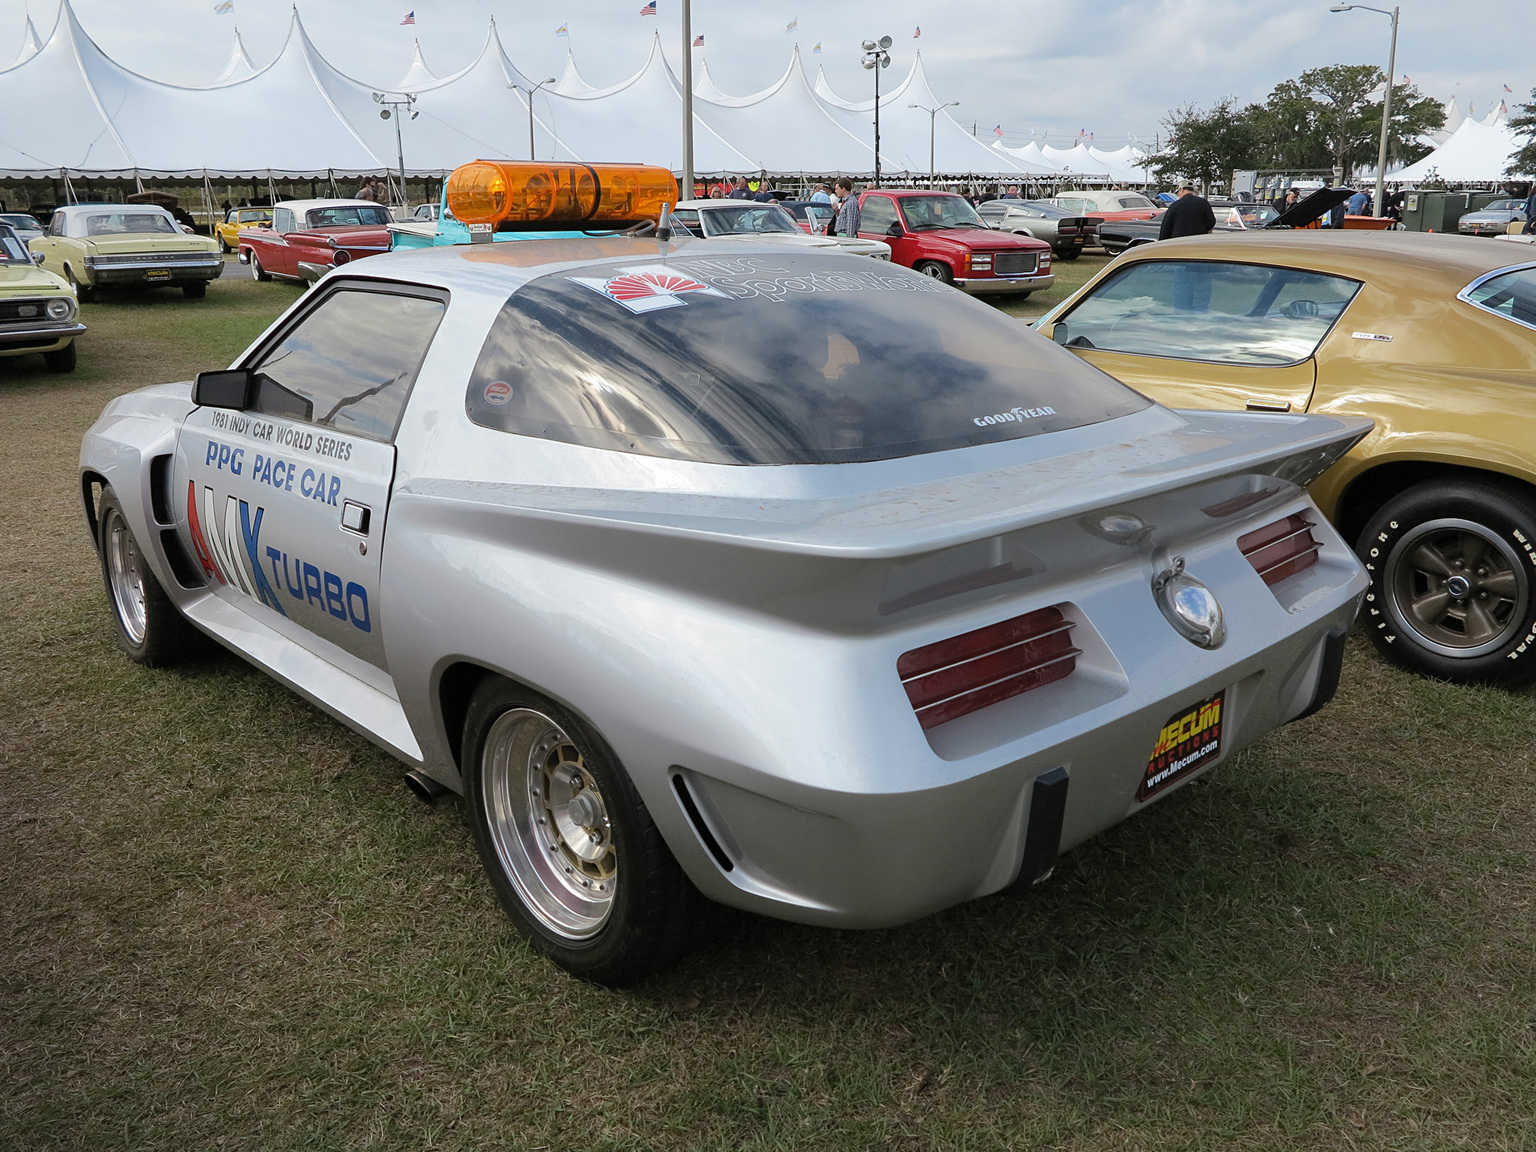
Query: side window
<point x="350" y="362"/>
<point x="282" y="220"/>
<point x="877" y="214"/>
<point x="689" y="219"/>
<point x="1213" y="311"/>
<point x="1509" y="294"/>
<point x="56" y="226"/>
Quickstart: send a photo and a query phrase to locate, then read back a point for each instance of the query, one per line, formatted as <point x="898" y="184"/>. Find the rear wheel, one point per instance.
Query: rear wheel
<point x="83" y="292"/>
<point x="1451" y="595"/>
<point x="60" y="359"/>
<point x="195" y="290"/>
<point x="225" y="246"/>
<point x="257" y="270"/>
<point x="1070" y="252"/>
<point x="935" y="269"/>
<point x="574" y="856"/>
<point x="149" y="627"/>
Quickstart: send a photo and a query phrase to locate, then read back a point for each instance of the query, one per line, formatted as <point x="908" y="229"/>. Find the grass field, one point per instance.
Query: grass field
<point x="224" y="924"/>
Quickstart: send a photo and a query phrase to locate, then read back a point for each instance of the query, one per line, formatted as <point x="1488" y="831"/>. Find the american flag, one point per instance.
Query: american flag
<point x="916" y="32"/>
<point x="1507" y="88"/>
<point x="410" y="18"/>
<point x="649" y="9"/>
<point x="698" y="41"/>
<point x="998" y="131"/>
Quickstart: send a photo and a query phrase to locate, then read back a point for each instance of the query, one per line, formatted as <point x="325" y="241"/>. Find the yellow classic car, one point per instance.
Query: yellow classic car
<point x="1432" y="337"/>
<point x="96" y="245"/>
<point x="228" y="229"/>
<point x="37" y="309"/>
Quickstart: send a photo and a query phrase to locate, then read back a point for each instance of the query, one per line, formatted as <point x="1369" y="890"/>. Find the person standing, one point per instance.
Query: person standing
<point x="739" y="189"/>
<point x="764" y="193"/>
<point x="1190" y="215"/>
<point x="822" y="195"/>
<point x="1530" y="213"/>
<point x="848" y="219"/>
<point x="1359" y="204"/>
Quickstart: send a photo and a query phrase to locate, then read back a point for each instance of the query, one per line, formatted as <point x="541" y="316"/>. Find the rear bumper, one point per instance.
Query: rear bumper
<point x="153" y="272"/>
<point x="979" y="285"/>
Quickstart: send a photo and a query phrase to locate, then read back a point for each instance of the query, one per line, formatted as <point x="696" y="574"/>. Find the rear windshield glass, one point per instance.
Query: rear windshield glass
<point x="347" y="214"/>
<point x="783" y="359"/>
<point x="125" y="223"/>
<point x="11" y="249"/>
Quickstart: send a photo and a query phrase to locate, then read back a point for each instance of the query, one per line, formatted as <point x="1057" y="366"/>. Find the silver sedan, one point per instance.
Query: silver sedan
<point x="720" y="571"/>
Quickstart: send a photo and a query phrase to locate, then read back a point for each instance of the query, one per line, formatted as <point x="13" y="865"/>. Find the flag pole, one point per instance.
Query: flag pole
<point x="685" y="189"/>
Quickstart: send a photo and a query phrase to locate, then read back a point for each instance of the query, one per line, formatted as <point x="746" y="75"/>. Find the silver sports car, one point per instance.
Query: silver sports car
<point x="787" y="579"/>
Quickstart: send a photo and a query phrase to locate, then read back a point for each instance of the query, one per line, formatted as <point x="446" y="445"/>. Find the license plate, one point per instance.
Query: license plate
<point x="158" y="274"/>
<point x="1190" y="740"/>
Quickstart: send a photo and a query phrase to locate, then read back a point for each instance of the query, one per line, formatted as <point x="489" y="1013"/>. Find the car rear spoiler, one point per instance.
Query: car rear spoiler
<point x="907" y="521"/>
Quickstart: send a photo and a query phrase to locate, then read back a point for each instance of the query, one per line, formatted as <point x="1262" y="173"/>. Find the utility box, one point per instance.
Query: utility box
<point x="1427" y="210"/>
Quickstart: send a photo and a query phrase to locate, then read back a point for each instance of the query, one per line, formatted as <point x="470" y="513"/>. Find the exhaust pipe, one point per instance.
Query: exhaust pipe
<point x="423" y="787"/>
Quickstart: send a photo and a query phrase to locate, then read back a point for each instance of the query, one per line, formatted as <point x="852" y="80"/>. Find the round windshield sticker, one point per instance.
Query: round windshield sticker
<point x="498" y="392"/>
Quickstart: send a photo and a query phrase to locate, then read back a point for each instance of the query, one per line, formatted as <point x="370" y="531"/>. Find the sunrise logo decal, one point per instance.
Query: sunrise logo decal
<point x="649" y="289"/>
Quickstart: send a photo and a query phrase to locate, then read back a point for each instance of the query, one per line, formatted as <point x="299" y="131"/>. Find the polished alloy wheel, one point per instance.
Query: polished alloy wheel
<point x="125" y="577"/>
<point x="549" y="823"/>
<point x="1459" y="587"/>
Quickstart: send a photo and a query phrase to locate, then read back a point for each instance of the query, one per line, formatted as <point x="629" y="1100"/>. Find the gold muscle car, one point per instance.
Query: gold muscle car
<point x="96" y="245"/>
<point x="1433" y="337"/>
<point x="37" y="309"/>
<point x="227" y="230"/>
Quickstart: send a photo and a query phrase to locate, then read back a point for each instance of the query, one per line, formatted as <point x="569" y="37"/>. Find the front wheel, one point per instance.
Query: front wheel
<point x="572" y="852"/>
<point x="1452" y="567"/>
<point x="60" y="359"/>
<point x="935" y="269"/>
<point x="257" y="270"/>
<point x="149" y="627"/>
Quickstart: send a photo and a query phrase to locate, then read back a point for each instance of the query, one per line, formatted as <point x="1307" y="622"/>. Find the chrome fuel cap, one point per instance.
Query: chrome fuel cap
<point x="1189" y="606"/>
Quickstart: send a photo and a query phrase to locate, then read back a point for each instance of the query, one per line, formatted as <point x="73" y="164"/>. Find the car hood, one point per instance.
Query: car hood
<point x="1499" y="215"/>
<point x="988" y="239"/>
<point x="28" y="278"/>
<point x="1314" y="207"/>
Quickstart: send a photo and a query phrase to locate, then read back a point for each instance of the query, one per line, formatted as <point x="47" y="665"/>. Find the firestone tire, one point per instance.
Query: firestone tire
<point x="149" y="627"/>
<point x="1453" y="582"/>
<point x="936" y="270"/>
<point x="573" y="854"/>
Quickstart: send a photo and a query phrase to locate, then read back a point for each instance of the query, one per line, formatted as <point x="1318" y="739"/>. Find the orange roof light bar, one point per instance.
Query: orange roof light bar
<point x="500" y="192"/>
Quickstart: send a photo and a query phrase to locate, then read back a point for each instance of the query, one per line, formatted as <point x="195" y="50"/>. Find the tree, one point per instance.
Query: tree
<point x="1206" y="146"/>
<point x="1523" y="162"/>
<point x="1331" y="118"/>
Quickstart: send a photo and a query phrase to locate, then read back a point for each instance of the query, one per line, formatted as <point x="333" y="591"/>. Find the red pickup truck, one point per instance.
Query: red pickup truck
<point x="307" y="238"/>
<point x="939" y="234"/>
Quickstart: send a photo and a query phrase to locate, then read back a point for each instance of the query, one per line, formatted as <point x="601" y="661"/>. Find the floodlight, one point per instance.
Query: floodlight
<point x="868" y="45"/>
<point x="885" y="41"/>
<point x="383" y="113"/>
<point x="885" y="61"/>
<point x="377" y="96"/>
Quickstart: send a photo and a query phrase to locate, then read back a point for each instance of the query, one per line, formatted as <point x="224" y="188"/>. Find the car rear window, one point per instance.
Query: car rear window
<point x="127" y="223"/>
<point x="1509" y="294"/>
<point x="784" y="359"/>
<point x="1218" y="311"/>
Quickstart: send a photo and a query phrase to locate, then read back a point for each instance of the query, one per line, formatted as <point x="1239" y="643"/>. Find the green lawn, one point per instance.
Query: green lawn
<point x="225" y="923"/>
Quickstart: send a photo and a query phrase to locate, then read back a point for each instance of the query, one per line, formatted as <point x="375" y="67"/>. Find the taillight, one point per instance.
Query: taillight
<point x="1281" y="549"/>
<point x="965" y="673"/>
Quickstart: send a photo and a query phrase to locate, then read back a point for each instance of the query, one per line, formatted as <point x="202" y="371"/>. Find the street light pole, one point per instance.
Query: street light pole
<point x="685" y="186"/>
<point x="530" y="93"/>
<point x="393" y="108"/>
<point x="1379" y="208"/>
<point x="933" y="114"/>
<point x="877" y="56"/>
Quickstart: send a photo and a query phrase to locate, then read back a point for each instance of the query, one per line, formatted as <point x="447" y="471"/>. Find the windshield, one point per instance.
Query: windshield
<point x="12" y="250"/>
<point x="925" y="213"/>
<point x="789" y="358"/>
<point x="746" y="219"/>
<point x="127" y="223"/>
<point x="346" y="214"/>
<point x="21" y="220"/>
<point x="1129" y="202"/>
<point x="261" y="216"/>
<point x="1245" y="215"/>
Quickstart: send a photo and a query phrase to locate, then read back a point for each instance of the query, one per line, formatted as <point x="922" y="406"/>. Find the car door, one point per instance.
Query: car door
<point x="1206" y="333"/>
<point x="877" y="213"/>
<point x="273" y="247"/>
<point x="48" y="245"/>
<point x="284" y="503"/>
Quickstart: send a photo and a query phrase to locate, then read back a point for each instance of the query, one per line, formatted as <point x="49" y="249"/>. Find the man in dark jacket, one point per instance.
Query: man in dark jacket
<point x="1189" y="215"/>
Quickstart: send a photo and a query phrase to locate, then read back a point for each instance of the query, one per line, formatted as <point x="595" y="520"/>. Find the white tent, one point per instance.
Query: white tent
<point x="30" y="44"/>
<point x="1476" y="152"/>
<point x="318" y="122"/>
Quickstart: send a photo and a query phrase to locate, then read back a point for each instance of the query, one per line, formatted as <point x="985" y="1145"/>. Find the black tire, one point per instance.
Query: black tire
<point x="225" y="246"/>
<point x="1071" y="252"/>
<point x="83" y="292"/>
<point x="1453" y="582"/>
<point x="195" y="289"/>
<point x="934" y="268"/>
<point x="149" y="627"/>
<point x="615" y="918"/>
<point x="1115" y="249"/>
<point x="60" y="359"/>
<point x="257" y="270"/>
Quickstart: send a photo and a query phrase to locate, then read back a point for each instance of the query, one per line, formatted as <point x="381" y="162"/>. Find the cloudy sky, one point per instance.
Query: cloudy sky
<point x="1111" y="67"/>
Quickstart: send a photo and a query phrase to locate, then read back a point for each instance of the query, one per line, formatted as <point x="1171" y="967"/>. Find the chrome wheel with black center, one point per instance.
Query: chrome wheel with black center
<point x="1452" y="566"/>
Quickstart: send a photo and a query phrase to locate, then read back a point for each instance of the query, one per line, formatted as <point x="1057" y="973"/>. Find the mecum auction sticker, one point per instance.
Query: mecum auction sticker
<point x="1190" y="739"/>
<point x="498" y="392"/>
